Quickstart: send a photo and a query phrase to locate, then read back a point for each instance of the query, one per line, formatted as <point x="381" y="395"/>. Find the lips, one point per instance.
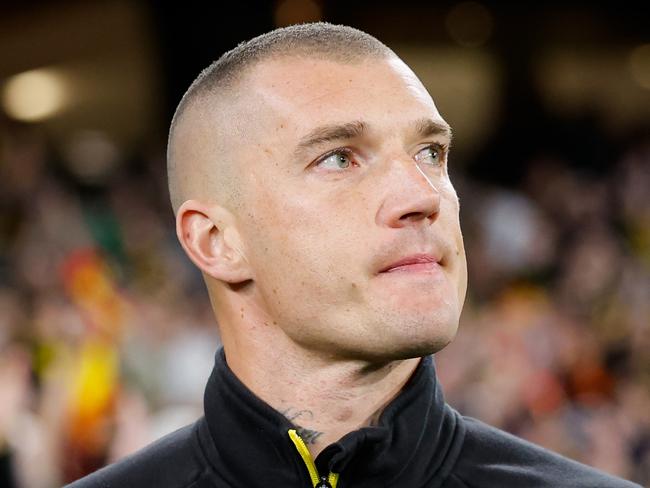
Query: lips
<point x="413" y="260"/>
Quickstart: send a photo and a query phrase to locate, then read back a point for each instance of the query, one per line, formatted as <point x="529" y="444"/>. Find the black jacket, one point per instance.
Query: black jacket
<point x="420" y="441"/>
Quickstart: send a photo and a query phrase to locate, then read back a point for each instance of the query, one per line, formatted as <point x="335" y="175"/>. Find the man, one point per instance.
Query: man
<point x="308" y="175"/>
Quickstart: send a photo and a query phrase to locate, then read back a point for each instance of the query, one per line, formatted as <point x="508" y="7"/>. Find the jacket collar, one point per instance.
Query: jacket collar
<point x="415" y="443"/>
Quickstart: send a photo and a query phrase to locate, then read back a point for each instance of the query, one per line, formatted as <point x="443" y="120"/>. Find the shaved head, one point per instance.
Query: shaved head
<point x="208" y="125"/>
<point x="301" y="164"/>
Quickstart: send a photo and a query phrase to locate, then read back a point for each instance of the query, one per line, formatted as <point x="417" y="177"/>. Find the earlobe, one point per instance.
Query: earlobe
<point x="201" y="229"/>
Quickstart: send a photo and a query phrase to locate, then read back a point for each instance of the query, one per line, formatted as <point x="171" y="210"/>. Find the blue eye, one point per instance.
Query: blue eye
<point x="431" y="155"/>
<point x="336" y="160"/>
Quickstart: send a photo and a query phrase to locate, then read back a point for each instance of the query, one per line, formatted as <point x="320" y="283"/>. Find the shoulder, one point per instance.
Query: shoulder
<point x="497" y="458"/>
<point x="173" y="461"/>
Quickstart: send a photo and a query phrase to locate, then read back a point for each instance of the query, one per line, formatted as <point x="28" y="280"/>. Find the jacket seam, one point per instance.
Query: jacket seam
<point x="201" y="452"/>
<point x="455" y="448"/>
<point x="457" y="478"/>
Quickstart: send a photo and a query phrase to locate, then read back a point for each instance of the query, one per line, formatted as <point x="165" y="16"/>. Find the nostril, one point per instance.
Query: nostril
<point x="412" y="216"/>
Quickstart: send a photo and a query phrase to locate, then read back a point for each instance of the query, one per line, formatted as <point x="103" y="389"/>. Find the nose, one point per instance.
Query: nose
<point x="411" y="196"/>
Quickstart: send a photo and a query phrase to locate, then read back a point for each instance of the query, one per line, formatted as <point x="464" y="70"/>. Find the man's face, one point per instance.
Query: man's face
<point x="344" y="173"/>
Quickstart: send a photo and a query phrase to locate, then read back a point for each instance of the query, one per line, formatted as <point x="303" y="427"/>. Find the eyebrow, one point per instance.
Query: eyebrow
<point x="332" y="132"/>
<point x="429" y="127"/>
<point x="339" y="132"/>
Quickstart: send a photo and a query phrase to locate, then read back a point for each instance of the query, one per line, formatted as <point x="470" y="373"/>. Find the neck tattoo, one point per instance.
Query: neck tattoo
<point x="309" y="436"/>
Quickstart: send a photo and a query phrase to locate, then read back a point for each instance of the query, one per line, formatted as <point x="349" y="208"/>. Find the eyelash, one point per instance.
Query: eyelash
<point x="342" y="150"/>
<point x="440" y="147"/>
<point x="442" y="150"/>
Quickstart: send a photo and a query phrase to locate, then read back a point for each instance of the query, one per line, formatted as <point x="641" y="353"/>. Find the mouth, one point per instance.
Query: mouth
<point x="417" y="263"/>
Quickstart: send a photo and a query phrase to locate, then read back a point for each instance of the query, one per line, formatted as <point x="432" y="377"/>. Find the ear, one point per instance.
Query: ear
<point x="211" y="242"/>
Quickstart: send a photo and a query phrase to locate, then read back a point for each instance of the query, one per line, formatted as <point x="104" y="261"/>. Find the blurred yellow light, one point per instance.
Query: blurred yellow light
<point x="639" y="65"/>
<point x="34" y="95"/>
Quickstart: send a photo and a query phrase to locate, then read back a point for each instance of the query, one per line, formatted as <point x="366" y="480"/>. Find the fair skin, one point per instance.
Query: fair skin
<point x="307" y="320"/>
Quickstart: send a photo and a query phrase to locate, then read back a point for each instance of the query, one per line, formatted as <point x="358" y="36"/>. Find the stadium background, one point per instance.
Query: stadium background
<point x="106" y="335"/>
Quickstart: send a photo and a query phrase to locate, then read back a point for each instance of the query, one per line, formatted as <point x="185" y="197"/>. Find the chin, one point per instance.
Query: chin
<point x="394" y="347"/>
<point x="421" y="334"/>
<point x="422" y="348"/>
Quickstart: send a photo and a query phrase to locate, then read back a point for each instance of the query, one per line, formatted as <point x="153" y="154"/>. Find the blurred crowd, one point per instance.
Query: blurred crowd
<point x="554" y="338"/>
<point x="107" y="336"/>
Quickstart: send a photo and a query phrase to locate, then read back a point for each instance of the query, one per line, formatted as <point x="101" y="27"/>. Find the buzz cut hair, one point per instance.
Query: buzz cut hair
<point x="318" y="40"/>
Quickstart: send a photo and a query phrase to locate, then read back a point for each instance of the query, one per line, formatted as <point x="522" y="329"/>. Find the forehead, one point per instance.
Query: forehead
<point x="302" y="92"/>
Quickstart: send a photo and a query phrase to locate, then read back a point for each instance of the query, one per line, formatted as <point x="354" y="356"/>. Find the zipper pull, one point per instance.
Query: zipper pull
<point x="323" y="483"/>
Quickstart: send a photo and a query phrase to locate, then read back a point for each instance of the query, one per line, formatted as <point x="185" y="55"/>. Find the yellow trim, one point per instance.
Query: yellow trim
<point x="306" y="456"/>
<point x="333" y="478"/>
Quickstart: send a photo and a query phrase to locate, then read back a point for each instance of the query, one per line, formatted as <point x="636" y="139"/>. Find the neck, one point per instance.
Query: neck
<point x="324" y="399"/>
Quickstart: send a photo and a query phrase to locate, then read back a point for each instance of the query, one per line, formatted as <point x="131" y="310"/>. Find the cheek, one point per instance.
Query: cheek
<point x="305" y="238"/>
<point x="450" y="211"/>
<point x="462" y="281"/>
<point x="305" y="257"/>
<point x="285" y="246"/>
<point x="461" y="263"/>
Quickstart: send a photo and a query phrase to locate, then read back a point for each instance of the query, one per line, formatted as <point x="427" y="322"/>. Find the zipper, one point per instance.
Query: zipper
<point x="318" y="481"/>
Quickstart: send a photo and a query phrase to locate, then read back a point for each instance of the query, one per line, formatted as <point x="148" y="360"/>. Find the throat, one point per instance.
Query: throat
<point x="322" y="416"/>
<point x="317" y="434"/>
